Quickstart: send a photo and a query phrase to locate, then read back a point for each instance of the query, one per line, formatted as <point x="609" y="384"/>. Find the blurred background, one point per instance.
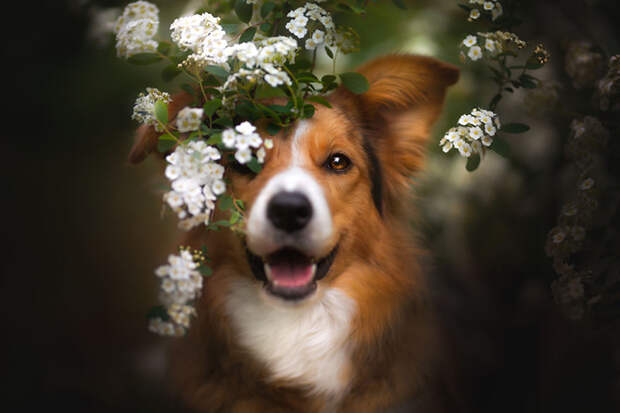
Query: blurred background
<point x="84" y="229"/>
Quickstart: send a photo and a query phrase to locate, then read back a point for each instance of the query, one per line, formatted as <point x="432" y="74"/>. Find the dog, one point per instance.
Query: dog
<point x="323" y="306"/>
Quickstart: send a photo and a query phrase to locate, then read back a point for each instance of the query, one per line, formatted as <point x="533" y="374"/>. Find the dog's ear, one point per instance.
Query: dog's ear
<point x="403" y="102"/>
<point x="146" y="138"/>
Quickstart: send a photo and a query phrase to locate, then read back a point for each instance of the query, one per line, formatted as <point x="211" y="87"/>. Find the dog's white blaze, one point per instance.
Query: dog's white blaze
<point x="305" y="344"/>
<point x="262" y="237"/>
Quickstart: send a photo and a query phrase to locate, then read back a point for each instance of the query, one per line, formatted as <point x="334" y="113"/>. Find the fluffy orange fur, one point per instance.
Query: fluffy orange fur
<point x="393" y="339"/>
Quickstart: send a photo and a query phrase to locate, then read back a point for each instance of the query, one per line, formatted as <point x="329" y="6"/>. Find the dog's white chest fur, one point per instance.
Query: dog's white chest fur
<point x="306" y="345"/>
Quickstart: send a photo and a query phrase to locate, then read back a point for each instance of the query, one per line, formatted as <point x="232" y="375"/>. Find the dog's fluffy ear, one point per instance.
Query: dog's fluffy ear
<point x="403" y="102"/>
<point x="146" y="138"/>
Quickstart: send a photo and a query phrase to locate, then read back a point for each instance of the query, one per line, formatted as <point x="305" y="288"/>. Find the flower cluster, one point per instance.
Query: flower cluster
<point x="181" y="284"/>
<point x="243" y="138"/>
<point x="489" y="45"/>
<point x="609" y="86"/>
<point x="135" y="29"/>
<point x="475" y="131"/>
<point x="315" y="22"/>
<point x="196" y="181"/>
<point x="584" y="64"/>
<point x="144" y="108"/>
<point x="492" y="8"/>
<point x="202" y="35"/>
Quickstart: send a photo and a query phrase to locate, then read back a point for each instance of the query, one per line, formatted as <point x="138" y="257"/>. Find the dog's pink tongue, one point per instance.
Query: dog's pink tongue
<point x="291" y="275"/>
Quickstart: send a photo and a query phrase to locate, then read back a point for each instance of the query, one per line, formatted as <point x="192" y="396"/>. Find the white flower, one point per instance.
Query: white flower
<point x="475" y="53"/>
<point x="497" y="11"/>
<point x="229" y="137"/>
<point x="474" y="14"/>
<point x="489" y="129"/>
<point x="470" y="40"/>
<point x="144" y="108"/>
<point x="268" y="143"/>
<point x="446" y="147"/>
<point x="135" y="29"/>
<point x="475" y="133"/>
<point x="586" y="184"/>
<point x="488" y="5"/>
<point x="189" y="119"/>
<point x="260" y="155"/>
<point x="558" y="237"/>
<point x="486" y="140"/>
<point x="465" y="150"/>
<point x="318" y="36"/>
<point x="245" y="128"/>
<point x="243" y="155"/>
<point x="476" y="146"/>
<point x="218" y="187"/>
<point x="489" y="45"/>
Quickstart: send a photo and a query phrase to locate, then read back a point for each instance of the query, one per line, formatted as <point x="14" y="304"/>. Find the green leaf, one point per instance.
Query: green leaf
<point x="495" y="101"/>
<point x="254" y="165"/>
<point x="328" y="79"/>
<point x="231" y="28"/>
<point x="224" y="121"/>
<point x="240" y="204"/>
<point x="515" y="128"/>
<point x="533" y="65"/>
<point x="161" y="111"/>
<point x="144" y="58"/>
<point x="243" y="11"/>
<point x="355" y="82"/>
<point x="188" y="88"/>
<point x="158" y="311"/>
<point x="266" y="28"/>
<point x="164" y="146"/>
<point x="225" y="202"/>
<point x="170" y="72"/>
<point x="528" y="82"/>
<point x="234" y="217"/>
<point x="273" y="129"/>
<point x="472" y="162"/>
<point x="215" y="139"/>
<point x="211" y="106"/>
<point x="500" y="146"/>
<point x="320" y="100"/>
<point x="247" y="35"/>
<point x="164" y="48"/>
<point x="266" y="8"/>
<point x="205" y="270"/>
<point x="220" y="223"/>
<point x="329" y="52"/>
<point x="217" y="71"/>
<point x="308" y="111"/>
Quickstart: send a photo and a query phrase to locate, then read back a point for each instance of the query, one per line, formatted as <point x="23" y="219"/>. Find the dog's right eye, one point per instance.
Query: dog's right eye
<point x="338" y="162"/>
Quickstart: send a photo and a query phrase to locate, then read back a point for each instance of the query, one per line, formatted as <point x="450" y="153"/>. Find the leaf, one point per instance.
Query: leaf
<point x="328" y="79"/>
<point x="495" y="101"/>
<point x="528" y="82"/>
<point x="215" y="139"/>
<point x="247" y="35"/>
<point x="266" y="8"/>
<point x="144" y="58"/>
<point x="329" y="52"/>
<point x="266" y="28"/>
<point x="308" y="111"/>
<point x="188" y="88"/>
<point x="211" y="106"/>
<point x="320" y="100"/>
<point x="164" y="146"/>
<point x="205" y="270"/>
<point x="220" y="223"/>
<point x="273" y="129"/>
<point x="240" y="204"/>
<point x="533" y="65"/>
<point x="224" y="121"/>
<point x="217" y="71"/>
<point x="472" y="162"/>
<point x="161" y="111"/>
<point x="170" y="72"/>
<point x="355" y="82"/>
<point x="230" y="28"/>
<point x="234" y="217"/>
<point x="515" y="128"/>
<point x="243" y="10"/>
<point x="225" y="202"/>
<point x="500" y="146"/>
<point x="254" y="165"/>
<point x="158" y="311"/>
<point x="164" y="48"/>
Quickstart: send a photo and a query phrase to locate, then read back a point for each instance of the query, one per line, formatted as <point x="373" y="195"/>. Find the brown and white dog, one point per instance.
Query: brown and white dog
<point x="323" y="306"/>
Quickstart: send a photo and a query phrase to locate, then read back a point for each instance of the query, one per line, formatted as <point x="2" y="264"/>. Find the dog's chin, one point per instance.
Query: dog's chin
<point x="289" y="274"/>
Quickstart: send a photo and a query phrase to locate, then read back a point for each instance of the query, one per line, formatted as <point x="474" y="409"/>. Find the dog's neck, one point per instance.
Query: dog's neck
<point x="305" y="346"/>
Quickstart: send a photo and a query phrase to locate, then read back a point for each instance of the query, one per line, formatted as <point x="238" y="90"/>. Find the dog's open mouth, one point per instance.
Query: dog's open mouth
<point x="290" y="274"/>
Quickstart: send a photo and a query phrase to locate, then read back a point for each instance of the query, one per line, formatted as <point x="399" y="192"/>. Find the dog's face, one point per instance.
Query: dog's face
<point x="330" y="183"/>
<point x="324" y="189"/>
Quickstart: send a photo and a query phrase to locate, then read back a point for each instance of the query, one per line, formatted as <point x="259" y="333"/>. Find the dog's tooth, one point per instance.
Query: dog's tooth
<point x="267" y="269"/>
<point x="313" y="269"/>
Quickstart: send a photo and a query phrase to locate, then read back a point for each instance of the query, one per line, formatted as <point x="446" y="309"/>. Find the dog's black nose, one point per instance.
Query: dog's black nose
<point x="289" y="211"/>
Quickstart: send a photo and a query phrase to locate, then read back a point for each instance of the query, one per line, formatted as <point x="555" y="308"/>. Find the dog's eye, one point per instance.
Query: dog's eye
<point x="338" y="162"/>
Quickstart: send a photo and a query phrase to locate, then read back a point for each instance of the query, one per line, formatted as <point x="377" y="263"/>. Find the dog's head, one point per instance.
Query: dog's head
<point x="331" y="183"/>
